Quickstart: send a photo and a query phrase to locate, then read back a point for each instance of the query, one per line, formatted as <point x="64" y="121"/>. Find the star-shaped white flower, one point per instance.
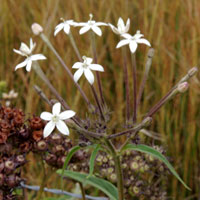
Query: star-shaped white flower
<point x="133" y="41"/>
<point x="65" y="25"/>
<point x="56" y="120"/>
<point x="91" y="25"/>
<point x="24" y="50"/>
<point x="121" y="27"/>
<point x="85" y="67"/>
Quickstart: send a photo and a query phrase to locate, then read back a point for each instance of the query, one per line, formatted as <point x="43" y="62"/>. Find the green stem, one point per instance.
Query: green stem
<point x="118" y="169"/>
<point x="48" y="43"/>
<point x="74" y="46"/>
<point x="82" y="191"/>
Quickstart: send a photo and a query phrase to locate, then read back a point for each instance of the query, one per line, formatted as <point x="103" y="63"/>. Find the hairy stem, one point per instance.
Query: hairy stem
<point x="118" y="168"/>
<point x="133" y="61"/>
<point x="94" y="52"/>
<point x="126" y="81"/>
<point x="46" y="40"/>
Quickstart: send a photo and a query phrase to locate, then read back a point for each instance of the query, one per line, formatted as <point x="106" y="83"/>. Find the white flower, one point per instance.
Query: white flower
<point x="24" y="50"/>
<point x="121" y="27"/>
<point x="65" y="25"/>
<point x="133" y="41"/>
<point x="86" y="68"/>
<point x="56" y="120"/>
<point x="11" y="95"/>
<point x="91" y="25"/>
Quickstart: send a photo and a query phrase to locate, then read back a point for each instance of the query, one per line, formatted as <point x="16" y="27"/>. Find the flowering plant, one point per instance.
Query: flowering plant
<point x="113" y="160"/>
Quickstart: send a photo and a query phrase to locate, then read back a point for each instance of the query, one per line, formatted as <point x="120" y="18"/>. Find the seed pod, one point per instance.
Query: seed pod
<point x="51" y="159"/>
<point x="58" y="150"/>
<point x="56" y="139"/>
<point x="37" y="135"/>
<point x="41" y="145"/>
<point x="36" y="123"/>
<point x="20" y="159"/>
<point x="9" y="166"/>
<point x="24" y="133"/>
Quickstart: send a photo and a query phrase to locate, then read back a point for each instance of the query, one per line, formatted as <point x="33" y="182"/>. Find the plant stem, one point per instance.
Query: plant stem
<point x="41" y="74"/>
<point x="126" y="81"/>
<point x="145" y="76"/>
<point x="133" y="62"/>
<point x="74" y="46"/>
<point x="46" y="40"/>
<point x="172" y="92"/>
<point x="95" y="60"/>
<point x="118" y="169"/>
<point x="97" y="101"/>
<point x="82" y="191"/>
<point x="138" y="127"/>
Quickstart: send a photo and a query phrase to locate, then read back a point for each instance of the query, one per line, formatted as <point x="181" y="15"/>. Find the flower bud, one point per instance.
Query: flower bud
<point x="183" y="87"/>
<point x="36" y="28"/>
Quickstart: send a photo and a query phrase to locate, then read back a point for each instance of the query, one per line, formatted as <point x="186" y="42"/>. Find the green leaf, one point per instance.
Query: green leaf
<point x="108" y="188"/>
<point x="92" y="159"/>
<point x="156" y="154"/>
<point x="68" y="158"/>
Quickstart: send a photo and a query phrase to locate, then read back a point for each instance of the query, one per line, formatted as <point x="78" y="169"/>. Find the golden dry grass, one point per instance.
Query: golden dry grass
<point x="172" y="27"/>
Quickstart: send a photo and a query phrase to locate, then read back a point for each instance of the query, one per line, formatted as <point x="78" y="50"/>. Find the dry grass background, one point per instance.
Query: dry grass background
<point x="172" y="27"/>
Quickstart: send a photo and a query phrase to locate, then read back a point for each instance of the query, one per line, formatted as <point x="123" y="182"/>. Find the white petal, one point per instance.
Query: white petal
<point x="38" y="57"/>
<point x="20" y="65"/>
<point x="84" y="29"/>
<point x="133" y="46"/>
<point x="96" y="67"/>
<point x="66" y="114"/>
<point x="62" y="127"/>
<point x="56" y="108"/>
<point x="89" y="76"/>
<point x="143" y="41"/>
<point x="101" y="24"/>
<point x="28" y="66"/>
<point x="19" y="52"/>
<point x="77" y="65"/>
<point x="127" y="36"/>
<point x="97" y="30"/>
<point x="78" y="74"/>
<point x="24" y="48"/>
<point x="89" y="60"/>
<point x="67" y="28"/>
<point x="46" y="116"/>
<point x="32" y="45"/>
<point x="58" y="28"/>
<point x="81" y="24"/>
<point x="120" y="22"/>
<point x="122" y="43"/>
<point x="114" y="29"/>
<point x="48" y="129"/>
<point x="127" y="25"/>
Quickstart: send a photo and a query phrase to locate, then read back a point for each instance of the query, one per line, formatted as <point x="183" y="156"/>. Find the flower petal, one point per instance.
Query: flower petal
<point x="67" y="28"/>
<point x="143" y="41"/>
<point x="58" y="28"/>
<point x="22" y="64"/>
<point x="127" y="25"/>
<point x="96" y="67"/>
<point x="62" y="127"/>
<point x="56" y="108"/>
<point x="24" y="48"/>
<point x="89" y="76"/>
<point x="66" y="114"/>
<point x="38" y="57"/>
<point x="97" y="30"/>
<point x="84" y="29"/>
<point x="78" y="74"/>
<point x="120" y="23"/>
<point x="100" y="24"/>
<point x="133" y="46"/>
<point x="28" y="66"/>
<point x="46" y="116"/>
<point x="122" y="43"/>
<point x="48" y="129"/>
<point x="19" y="52"/>
<point x="32" y="45"/>
<point x="88" y="60"/>
<point x="77" y="65"/>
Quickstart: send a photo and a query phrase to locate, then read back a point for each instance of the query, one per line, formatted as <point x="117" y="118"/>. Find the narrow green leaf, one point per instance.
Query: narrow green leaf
<point x="92" y="159"/>
<point x="108" y="188"/>
<point x="156" y="154"/>
<point x="68" y="158"/>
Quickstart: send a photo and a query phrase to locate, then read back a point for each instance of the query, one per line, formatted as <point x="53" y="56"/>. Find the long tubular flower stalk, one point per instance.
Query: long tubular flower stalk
<point x="95" y="61"/>
<point x="168" y="96"/>
<point x="133" y="61"/>
<point x="41" y="74"/>
<point x="145" y="76"/>
<point x="126" y="81"/>
<point x="46" y="40"/>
